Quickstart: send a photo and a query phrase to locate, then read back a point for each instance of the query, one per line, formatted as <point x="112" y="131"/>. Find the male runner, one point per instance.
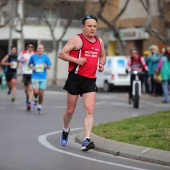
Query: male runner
<point x="85" y="54"/>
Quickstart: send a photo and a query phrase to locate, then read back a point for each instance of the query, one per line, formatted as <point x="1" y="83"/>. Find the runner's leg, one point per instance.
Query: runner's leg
<point x="89" y="100"/>
<point x="71" y="105"/>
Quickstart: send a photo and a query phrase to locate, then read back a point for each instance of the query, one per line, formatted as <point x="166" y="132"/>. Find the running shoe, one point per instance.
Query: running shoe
<point x="87" y="145"/>
<point x="13" y="99"/>
<point x="34" y="105"/>
<point x="28" y="106"/>
<point x="26" y="102"/>
<point x="64" y="138"/>
<point x="9" y="91"/>
<point x="39" y="110"/>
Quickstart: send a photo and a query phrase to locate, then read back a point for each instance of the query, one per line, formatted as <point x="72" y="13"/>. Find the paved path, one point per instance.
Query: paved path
<point x="29" y="141"/>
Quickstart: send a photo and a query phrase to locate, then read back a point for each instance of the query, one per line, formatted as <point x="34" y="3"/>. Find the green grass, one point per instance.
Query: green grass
<point x="151" y="130"/>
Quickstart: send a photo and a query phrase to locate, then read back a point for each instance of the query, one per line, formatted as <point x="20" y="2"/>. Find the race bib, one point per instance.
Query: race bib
<point x="14" y="65"/>
<point x="39" y="67"/>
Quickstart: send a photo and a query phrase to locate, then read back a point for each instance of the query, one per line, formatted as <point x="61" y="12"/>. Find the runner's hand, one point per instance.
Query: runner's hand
<point x="33" y="68"/>
<point x="45" y="65"/>
<point x="101" y="67"/>
<point x="81" y="61"/>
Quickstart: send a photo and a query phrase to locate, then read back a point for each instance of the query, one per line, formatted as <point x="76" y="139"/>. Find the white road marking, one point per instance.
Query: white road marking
<point x="43" y="140"/>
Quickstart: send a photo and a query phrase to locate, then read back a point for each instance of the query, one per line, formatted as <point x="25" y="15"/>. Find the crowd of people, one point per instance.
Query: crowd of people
<point x="34" y="65"/>
<point x="155" y="66"/>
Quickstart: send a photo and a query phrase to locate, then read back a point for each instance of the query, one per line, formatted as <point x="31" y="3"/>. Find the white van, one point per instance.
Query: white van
<point x="114" y="73"/>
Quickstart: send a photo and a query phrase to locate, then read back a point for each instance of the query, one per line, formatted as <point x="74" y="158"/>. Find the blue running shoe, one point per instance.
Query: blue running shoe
<point x="64" y="138"/>
<point x="26" y="102"/>
<point x="34" y="105"/>
<point x="87" y="145"/>
<point x="39" y="110"/>
<point x="28" y="106"/>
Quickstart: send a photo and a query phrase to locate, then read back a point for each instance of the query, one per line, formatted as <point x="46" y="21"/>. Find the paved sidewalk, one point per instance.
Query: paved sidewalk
<point x="128" y="150"/>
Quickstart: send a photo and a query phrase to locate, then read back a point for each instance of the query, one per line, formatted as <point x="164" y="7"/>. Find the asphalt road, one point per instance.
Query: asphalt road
<point x="29" y="141"/>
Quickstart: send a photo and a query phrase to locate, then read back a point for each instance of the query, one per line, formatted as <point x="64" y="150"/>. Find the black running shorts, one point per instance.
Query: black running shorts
<point x="27" y="79"/>
<point x="78" y="85"/>
<point x="10" y="76"/>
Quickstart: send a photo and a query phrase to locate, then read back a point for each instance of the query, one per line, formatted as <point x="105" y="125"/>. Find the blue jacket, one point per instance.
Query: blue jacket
<point x="149" y="64"/>
<point x="154" y="62"/>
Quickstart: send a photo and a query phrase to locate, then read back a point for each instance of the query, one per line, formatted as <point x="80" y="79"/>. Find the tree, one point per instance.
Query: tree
<point x="113" y="23"/>
<point x="4" y="17"/>
<point x="164" y="15"/>
<point x="59" y="10"/>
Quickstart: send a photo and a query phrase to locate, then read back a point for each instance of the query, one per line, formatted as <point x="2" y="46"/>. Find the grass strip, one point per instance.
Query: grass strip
<point x="151" y="130"/>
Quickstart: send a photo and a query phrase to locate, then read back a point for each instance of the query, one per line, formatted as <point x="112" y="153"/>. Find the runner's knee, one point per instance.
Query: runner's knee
<point x="89" y="111"/>
<point x="70" y="111"/>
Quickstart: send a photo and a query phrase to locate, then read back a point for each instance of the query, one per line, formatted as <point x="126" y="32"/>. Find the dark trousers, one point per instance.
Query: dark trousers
<point x="145" y="79"/>
<point x="156" y="88"/>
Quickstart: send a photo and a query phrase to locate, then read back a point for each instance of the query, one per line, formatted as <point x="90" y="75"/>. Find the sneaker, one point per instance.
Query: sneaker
<point x="64" y="138"/>
<point x="87" y="145"/>
<point x="26" y="102"/>
<point x="13" y="99"/>
<point x="9" y="91"/>
<point x="28" y="106"/>
<point x="39" y="110"/>
<point x="34" y="105"/>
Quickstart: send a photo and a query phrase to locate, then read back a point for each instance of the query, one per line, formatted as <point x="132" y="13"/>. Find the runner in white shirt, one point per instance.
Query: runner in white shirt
<point x="24" y="58"/>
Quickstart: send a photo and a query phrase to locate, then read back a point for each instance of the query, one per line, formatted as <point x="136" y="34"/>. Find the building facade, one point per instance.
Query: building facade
<point x="33" y="28"/>
<point x="131" y="25"/>
<point x="28" y="23"/>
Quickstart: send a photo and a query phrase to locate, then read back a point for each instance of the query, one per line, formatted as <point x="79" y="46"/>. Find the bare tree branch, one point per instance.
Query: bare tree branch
<point x="112" y="25"/>
<point x="121" y="12"/>
<point x="65" y="29"/>
<point x="144" y="5"/>
<point x="161" y="12"/>
<point x="149" y="28"/>
<point x="149" y="17"/>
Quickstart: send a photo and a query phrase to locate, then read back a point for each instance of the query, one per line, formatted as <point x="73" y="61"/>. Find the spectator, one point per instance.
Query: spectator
<point x="154" y="58"/>
<point x="146" y="76"/>
<point x="164" y="70"/>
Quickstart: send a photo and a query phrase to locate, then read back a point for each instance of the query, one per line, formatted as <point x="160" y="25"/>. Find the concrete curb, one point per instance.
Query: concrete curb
<point x="128" y="150"/>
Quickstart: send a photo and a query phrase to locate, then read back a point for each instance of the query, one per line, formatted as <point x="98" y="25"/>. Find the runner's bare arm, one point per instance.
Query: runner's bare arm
<point x="4" y="63"/>
<point x="102" y="59"/>
<point x="73" y="44"/>
<point x="47" y="67"/>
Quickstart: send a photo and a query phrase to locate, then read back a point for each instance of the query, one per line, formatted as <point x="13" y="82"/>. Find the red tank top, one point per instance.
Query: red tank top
<point x="90" y="51"/>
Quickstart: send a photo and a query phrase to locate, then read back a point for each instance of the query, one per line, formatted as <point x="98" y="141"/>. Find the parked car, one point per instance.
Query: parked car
<point x="114" y="74"/>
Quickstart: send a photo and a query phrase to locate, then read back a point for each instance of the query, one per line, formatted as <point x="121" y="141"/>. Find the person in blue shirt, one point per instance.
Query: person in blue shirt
<point x="39" y="63"/>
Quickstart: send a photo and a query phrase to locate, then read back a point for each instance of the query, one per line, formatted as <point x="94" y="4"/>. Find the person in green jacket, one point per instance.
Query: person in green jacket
<point x="154" y="59"/>
<point x="164" y="70"/>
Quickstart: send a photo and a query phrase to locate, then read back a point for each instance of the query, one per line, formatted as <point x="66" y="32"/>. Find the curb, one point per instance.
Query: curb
<point x="128" y="150"/>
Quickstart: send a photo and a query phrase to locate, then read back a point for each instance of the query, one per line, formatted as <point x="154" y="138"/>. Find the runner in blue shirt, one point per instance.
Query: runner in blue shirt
<point x="39" y="63"/>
